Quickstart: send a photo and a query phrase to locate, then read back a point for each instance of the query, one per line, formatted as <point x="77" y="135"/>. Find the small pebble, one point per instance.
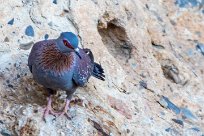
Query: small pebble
<point x="187" y="114"/>
<point x="128" y="131"/>
<point x="66" y="11"/>
<point x="46" y="36"/>
<point x="172" y="73"/>
<point x="111" y="134"/>
<point x="168" y="129"/>
<point x="172" y="131"/>
<point x="50" y="24"/>
<point x="172" y="22"/>
<point x="26" y="46"/>
<point x="4" y="133"/>
<point x="55" y="1"/>
<point x="195" y="129"/>
<point x="190" y="52"/>
<point x="162" y="113"/>
<point x="184" y="3"/>
<point x="7" y="81"/>
<point x="35" y="111"/>
<point x="18" y="76"/>
<point x="200" y="48"/>
<point x="134" y="65"/>
<point x="9" y="85"/>
<point x="6" y="39"/>
<point x="165" y="102"/>
<point x="143" y="84"/>
<point x="178" y="121"/>
<point x="11" y="21"/>
<point x="29" y="31"/>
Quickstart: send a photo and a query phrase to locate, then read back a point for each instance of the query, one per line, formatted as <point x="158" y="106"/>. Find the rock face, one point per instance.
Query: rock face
<point x="154" y="72"/>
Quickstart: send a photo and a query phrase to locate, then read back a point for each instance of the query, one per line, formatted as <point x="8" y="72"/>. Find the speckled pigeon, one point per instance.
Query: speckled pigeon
<point x="61" y="64"/>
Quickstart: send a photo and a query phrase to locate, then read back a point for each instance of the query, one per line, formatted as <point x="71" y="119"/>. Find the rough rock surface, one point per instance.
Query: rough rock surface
<point x="154" y="72"/>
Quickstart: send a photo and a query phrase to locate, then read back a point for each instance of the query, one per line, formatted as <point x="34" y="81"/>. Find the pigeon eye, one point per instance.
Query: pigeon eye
<point x="67" y="44"/>
<point x="87" y="52"/>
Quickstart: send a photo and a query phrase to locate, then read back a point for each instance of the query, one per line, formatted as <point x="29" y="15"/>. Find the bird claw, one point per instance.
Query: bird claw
<point x="47" y="111"/>
<point x="65" y="113"/>
<point x="66" y="108"/>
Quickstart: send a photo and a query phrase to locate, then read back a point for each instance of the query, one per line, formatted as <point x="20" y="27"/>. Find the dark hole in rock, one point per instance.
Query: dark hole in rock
<point x="171" y="72"/>
<point x="117" y="42"/>
<point x="9" y="85"/>
<point x="158" y="46"/>
<point x="66" y="10"/>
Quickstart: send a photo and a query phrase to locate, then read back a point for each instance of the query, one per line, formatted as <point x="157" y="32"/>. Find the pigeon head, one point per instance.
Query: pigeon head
<point x="68" y="42"/>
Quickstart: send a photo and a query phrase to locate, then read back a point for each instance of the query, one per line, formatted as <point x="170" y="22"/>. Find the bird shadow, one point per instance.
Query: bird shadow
<point x="21" y="88"/>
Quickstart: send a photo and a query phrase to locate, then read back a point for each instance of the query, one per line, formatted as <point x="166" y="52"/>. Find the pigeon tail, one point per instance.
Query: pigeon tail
<point x="98" y="72"/>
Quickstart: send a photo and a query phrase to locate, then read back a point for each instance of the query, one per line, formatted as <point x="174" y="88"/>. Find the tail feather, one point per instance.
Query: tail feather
<point x="98" y="68"/>
<point x="98" y="72"/>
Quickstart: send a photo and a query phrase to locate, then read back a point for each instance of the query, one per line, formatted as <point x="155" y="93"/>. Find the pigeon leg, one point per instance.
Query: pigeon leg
<point x="68" y="99"/>
<point x="48" y="110"/>
<point x="66" y="108"/>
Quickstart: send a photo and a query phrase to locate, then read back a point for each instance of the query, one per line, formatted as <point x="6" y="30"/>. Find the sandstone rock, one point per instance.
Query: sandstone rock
<point x="147" y="48"/>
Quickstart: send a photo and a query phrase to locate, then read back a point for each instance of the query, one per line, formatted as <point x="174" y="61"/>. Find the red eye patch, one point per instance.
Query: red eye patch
<point x="67" y="44"/>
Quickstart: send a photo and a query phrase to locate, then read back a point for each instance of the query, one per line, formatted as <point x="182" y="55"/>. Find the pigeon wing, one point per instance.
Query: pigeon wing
<point x="83" y="69"/>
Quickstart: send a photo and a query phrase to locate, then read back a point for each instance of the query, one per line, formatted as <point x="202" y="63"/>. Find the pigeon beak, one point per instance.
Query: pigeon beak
<point x="77" y="52"/>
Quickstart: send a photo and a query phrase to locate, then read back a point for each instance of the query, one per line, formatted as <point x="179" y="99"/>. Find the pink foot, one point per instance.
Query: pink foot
<point x="48" y="110"/>
<point x="66" y="108"/>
